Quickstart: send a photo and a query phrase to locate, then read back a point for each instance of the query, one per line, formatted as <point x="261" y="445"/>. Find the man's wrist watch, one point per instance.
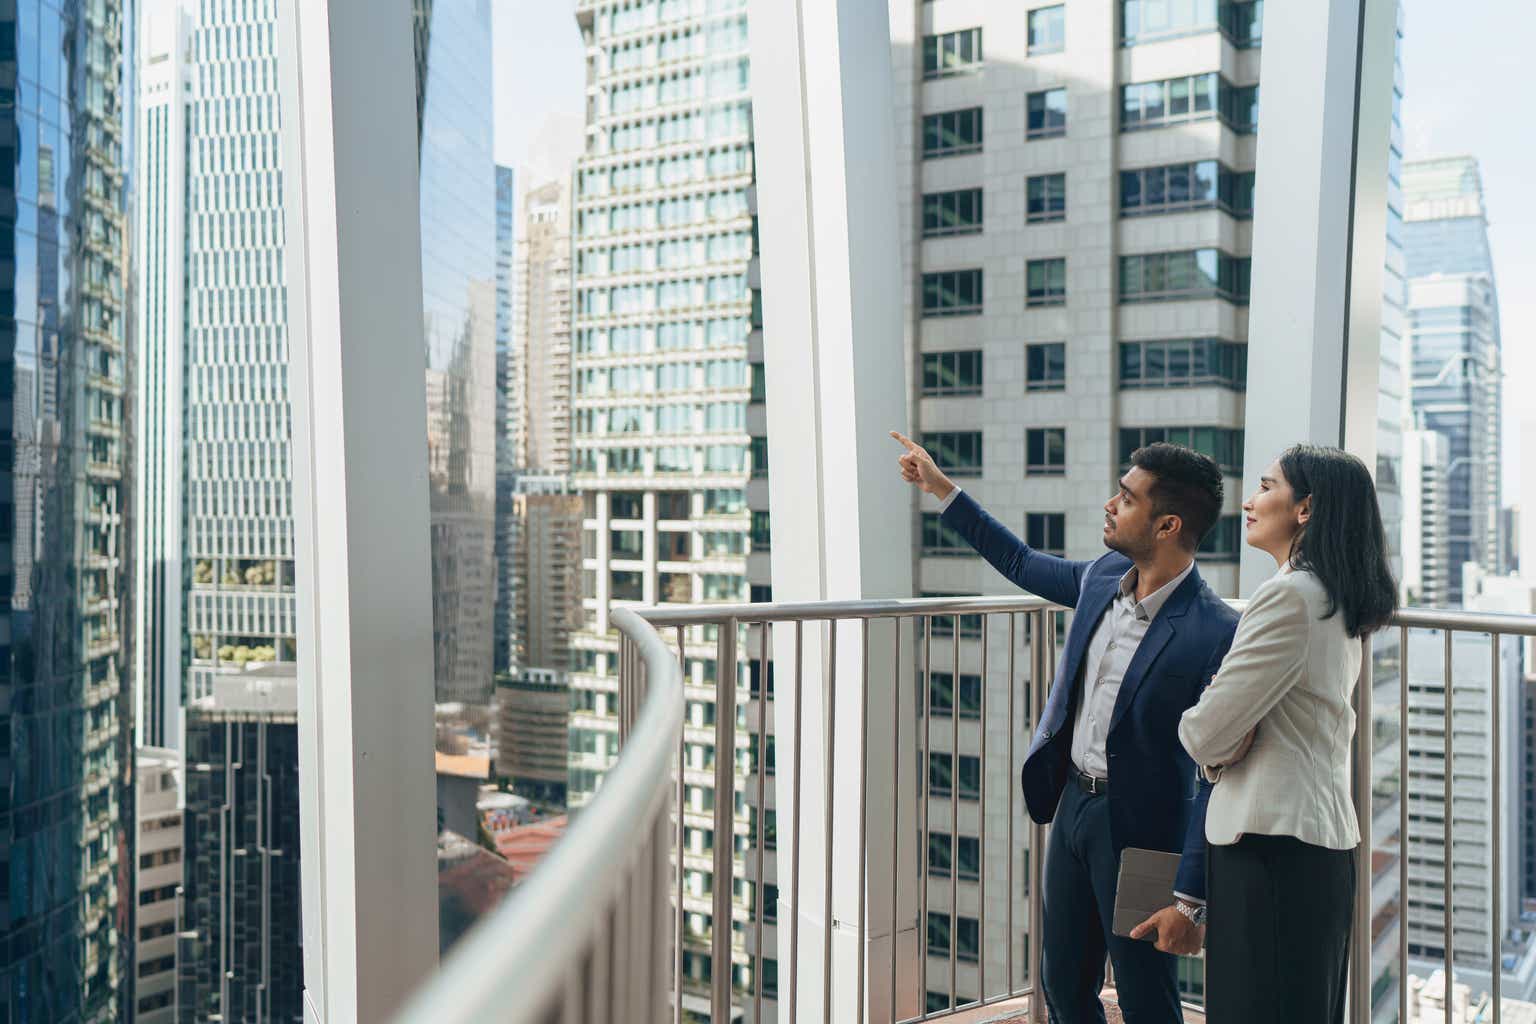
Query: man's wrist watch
<point x="1196" y="914"/>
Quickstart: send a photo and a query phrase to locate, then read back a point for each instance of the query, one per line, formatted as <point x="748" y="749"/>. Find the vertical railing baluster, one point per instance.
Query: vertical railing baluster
<point x="1450" y="941"/>
<point x="863" y="808"/>
<point x="794" y="856"/>
<point x="682" y="830"/>
<point x="762" y="811"/>
<point x="725" y="821"/>
<point x="981" y="831"/>
<point x="826" y="917"/>
<point x="1402" y="825"/>
<point x="1496" y="968"/>
<point x="1359" y="980"/>
<point x="1040" y="644"/>
<point x="954" y="815"/>
<point x="896" y="796"/>
<point x="925" y="755"/>
<point x="1013" y="622"/>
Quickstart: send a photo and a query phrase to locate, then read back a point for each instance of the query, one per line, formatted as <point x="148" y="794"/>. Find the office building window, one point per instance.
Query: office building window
<point x="940" y="769"/>
<point x="941" y="694"/>
<point x="966" y="937"/>
<point x="1047" y="30"/>
<point x="761" y="536"/>
<point x="1045" y="366"/>
<point x="759" y="456"/>
<point x="952" y="53"/>
<point x="1046" y="282"/>
<point x="952" y="132"/>
<point x="952" y="373"/>
<point x="952" y="213"/>
<point x="1047" y="198"/>
<point x="1194" y="274"/>
<point x="1184" y="363"/>
<point x="1047" y="114"/>
<point x="945" y="853"/>
<point x="1145" y="21"/>
<point x="952" y="293"/>
<point x="941" y="540"/>
<point x="1223" y="444"/>
<point x="1224" y="541"/>
<point x="1205" y="184"/>
<point x="1045" y="451"/>
<point x="944" y="625"/>
<point x="627" y="585"/>
<point x="1189" y="98"/>
<point x="1047" y="532"/>
<point x="957" y="453"/>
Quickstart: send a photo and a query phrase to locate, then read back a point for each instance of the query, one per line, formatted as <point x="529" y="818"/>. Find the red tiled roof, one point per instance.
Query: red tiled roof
<point x="523" y="847"/>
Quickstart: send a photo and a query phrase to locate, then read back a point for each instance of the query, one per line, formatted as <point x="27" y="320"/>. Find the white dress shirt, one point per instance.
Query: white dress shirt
<point x="1290" y="672"/>
<point x="1114" y="643"/>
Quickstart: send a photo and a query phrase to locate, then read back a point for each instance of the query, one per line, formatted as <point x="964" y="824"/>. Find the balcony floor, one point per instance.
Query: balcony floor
<point x="1016" y="1011"/>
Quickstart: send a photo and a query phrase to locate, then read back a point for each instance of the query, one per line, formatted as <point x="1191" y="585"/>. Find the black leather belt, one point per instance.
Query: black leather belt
<point x="1090" y="785"/>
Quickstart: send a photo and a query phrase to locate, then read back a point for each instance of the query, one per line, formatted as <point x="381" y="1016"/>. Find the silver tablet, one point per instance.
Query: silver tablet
<point x="1145" y="887"/>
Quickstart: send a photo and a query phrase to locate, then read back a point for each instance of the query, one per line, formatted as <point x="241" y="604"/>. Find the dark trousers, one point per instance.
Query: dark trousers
<point x="1277" y="945"/>
<point x="1081" y="869"/>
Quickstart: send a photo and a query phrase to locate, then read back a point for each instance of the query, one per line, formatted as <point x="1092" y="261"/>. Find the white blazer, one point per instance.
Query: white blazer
<point x="1291" y="673"/>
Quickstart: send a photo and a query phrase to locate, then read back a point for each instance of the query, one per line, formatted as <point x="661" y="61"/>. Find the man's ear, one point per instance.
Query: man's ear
<point x="1170" y="527"/>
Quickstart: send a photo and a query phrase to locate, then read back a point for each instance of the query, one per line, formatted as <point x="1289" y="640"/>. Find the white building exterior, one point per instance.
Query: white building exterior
<point x="157" y="884"/>
<point x="662" y="241"/>
<point x="1426" y="533"/>
<point x="239" y="512"/>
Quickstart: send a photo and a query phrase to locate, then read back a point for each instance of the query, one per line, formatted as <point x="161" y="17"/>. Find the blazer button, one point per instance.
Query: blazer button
<point x="1047" y="734"/>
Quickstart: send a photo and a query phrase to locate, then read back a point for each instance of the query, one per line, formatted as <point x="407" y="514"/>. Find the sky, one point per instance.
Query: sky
<point x="1462" y="95"/>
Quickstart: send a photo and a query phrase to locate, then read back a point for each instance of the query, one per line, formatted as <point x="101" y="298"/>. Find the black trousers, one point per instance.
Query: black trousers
<point x="1277" y="941"/>
<point x="1081" y="872"/>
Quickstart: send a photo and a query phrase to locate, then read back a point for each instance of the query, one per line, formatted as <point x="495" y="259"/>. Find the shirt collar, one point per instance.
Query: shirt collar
<point x="1147" y="608"/>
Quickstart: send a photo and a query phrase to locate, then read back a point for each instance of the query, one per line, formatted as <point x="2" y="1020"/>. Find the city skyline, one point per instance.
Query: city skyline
<point x="1447" y="60"/>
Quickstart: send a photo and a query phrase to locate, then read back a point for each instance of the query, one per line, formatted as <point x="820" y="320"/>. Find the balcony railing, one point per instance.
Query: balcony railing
<point x="587" y="939"/>
<point x="621" y="930"/>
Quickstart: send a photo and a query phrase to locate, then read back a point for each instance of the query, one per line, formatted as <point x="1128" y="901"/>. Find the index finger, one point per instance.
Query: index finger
<point x="904" y="439"/>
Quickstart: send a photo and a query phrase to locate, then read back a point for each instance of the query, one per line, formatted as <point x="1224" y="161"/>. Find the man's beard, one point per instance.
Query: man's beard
<point x="1126" y="546"/>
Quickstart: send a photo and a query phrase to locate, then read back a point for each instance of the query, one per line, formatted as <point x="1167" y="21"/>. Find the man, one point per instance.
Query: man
<point x="1105" y="763"/>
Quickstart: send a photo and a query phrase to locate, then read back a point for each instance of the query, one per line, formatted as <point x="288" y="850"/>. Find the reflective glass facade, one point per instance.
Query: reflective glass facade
<point x="506" y="412"/>
<point x="63" y="747"/>
<point x="458" y="269"/>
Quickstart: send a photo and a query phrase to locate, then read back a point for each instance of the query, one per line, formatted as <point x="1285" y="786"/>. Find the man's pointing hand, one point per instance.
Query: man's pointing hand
<point x="918" y="467"/>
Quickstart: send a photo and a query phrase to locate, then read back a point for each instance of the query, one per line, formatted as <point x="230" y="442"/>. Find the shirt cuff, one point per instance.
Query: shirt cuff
<point x="949" y="500"/>
<point x="1193" y="900"/>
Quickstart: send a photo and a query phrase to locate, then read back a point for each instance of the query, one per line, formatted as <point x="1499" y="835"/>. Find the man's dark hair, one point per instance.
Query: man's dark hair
<point x="1186" y="484"/>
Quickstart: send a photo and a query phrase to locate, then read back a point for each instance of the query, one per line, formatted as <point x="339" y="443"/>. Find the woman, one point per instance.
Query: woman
<point x="1273" y="732"/>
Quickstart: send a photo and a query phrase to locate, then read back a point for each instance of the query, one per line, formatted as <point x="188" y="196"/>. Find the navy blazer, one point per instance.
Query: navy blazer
<point x="1156" y="799"/>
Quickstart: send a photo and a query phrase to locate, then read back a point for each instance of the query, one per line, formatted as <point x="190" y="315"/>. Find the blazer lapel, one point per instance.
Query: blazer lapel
<point x="1158" y="634"/>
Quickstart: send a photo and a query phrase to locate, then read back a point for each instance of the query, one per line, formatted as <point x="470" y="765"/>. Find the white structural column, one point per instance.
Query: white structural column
<point x="836" y="383"/>
<point x="1319" y="235"/>
<point x="360" y="505"/>
<point x="1319" y="252"/>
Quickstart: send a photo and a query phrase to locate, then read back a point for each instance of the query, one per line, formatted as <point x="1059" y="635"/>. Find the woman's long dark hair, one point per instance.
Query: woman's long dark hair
<point x="1343" y="543"/>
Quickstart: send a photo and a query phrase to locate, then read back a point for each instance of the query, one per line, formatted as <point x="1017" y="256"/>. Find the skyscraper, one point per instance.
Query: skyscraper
<point x="62" y="839"/>
<point x="238" y="497"/>
<point x="241" y="949"/>
<point x="1456" y="346"/>
<point x="165" y="93"/>
<point x="507" y="410"/>
<point x="663" y="236"/>
<point x="542" y="375"/>
<point x="1426" y="537"/>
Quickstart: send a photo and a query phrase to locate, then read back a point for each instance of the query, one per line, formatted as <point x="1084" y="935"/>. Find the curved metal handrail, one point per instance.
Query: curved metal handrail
<point x="513" y="965"/>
